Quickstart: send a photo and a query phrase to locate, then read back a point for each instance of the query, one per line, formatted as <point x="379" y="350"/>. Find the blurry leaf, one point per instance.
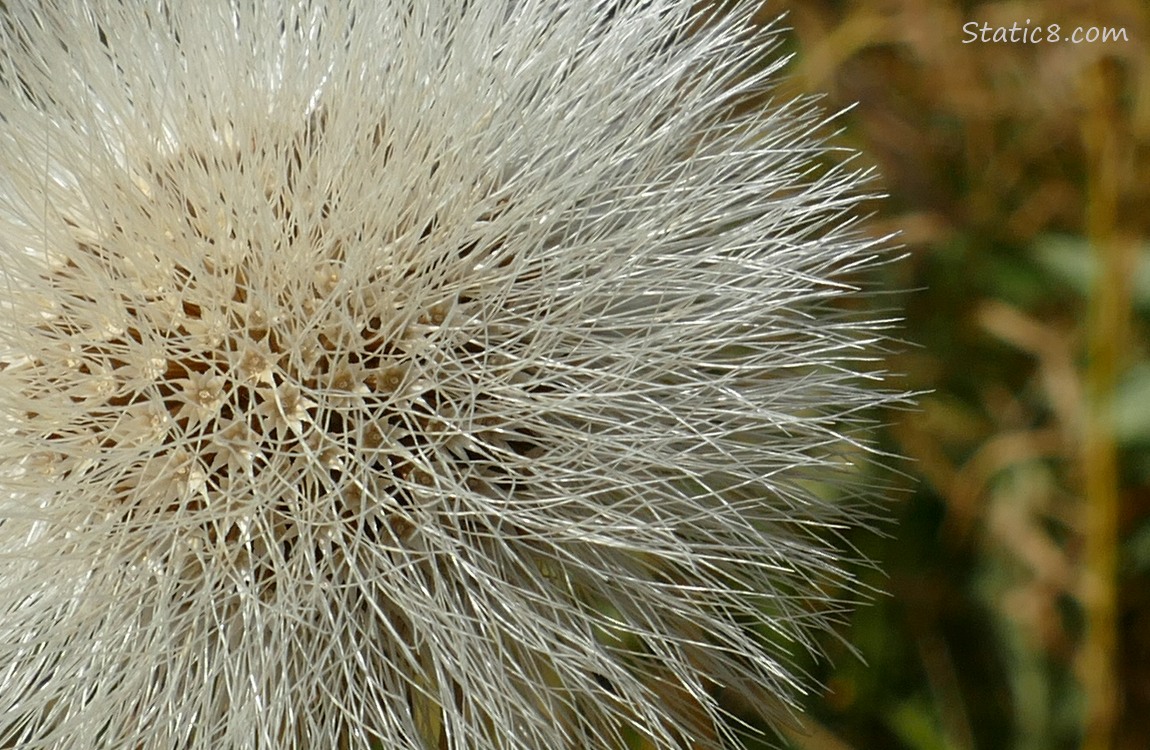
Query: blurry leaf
<point x="915" y="724"/>
<point x="1069" y="259"/>
<point x="1072" y="261"/>
<point x="1020" y="281"/>
<point x="1131" y="406"/>
<point x="1136" y="550"/>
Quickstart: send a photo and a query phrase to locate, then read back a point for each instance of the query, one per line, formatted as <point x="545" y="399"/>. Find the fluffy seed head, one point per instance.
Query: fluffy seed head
<point x="429" y="375"/>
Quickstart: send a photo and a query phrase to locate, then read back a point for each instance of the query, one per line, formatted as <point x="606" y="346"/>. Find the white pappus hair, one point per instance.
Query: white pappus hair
<point x="430" y="375"/>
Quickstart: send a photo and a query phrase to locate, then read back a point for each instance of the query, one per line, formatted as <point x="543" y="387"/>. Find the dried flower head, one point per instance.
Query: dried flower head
<point x="398" y="374"/>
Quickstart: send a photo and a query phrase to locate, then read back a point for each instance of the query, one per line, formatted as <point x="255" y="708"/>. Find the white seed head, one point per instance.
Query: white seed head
<point x="437" y="375"/>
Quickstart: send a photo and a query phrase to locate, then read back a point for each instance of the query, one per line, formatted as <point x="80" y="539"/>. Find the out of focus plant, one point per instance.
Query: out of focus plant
<point x="1020" y="176"/>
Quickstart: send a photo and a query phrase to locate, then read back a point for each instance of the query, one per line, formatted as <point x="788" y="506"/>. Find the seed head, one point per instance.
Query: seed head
<point x="431" y="375"/>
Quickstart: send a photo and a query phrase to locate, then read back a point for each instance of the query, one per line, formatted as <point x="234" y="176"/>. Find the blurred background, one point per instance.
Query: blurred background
<point x="1017" y="572"/>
